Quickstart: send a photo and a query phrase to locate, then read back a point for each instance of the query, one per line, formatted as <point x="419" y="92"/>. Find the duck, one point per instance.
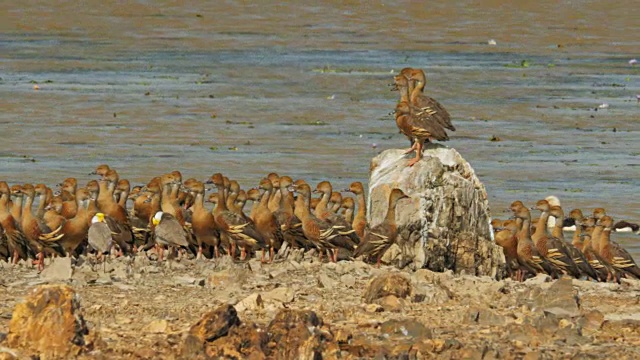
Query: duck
<point x="274" y="201"/>
<point x="116" y="216"/>
<point x="121" y="193"/>
<point x="16" y="205"/>
<point x="236" y="228"/>
<point x="359" y="223"/>
<point x="253" y="195"/>
<point x="598" y="213"/>
<point x="604" y="270"/>
<point x="529" y="258"/>
<point x="290" y="224"/>
<point x="75" y="230"/>
<point x="554" y="249"/>
<point x="323" y="213"/>
<point x="614" y="253"/>
<point x="379" y="238"/>
<point x="506" y="236"/>
<point x="41" y="238"/>
<point x="202" y="221"/>
<point x="52" y="215"/>
<point x="576" y="254"/>
<point x="335" y="203"/>
<point x="319" y="232"/>
<point x="429" y="107"/>
<point x="17" y="243"/>
<point x="418" y="128"/>
<point x="68" y="189"/>
<point x="348" y="207"/>
<point x="625" y="226"/>
<point x="266" y="222"/>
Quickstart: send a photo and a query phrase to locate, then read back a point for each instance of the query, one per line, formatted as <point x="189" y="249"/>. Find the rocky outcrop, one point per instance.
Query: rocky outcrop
<point x="48" y="323"/>
<point x="446" y="223"/>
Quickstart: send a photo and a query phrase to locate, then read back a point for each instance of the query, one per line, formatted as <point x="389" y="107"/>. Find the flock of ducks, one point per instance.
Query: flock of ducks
<point x="168" y="212"/>
<point x="530" y="248"/>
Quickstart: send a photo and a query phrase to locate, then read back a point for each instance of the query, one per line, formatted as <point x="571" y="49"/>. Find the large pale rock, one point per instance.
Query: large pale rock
<point x="49" y="323"/>
<point x="446" y="222"/>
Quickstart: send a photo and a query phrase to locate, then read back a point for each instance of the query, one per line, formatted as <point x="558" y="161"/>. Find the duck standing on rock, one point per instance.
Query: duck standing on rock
<point x="419" y="117"/>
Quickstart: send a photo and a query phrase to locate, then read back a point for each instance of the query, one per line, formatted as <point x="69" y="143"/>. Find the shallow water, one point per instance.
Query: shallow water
<point x="250" y="89"/>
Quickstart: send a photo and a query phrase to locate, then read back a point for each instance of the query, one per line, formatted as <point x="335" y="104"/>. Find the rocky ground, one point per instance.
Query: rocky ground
<point x="300" y="308"/>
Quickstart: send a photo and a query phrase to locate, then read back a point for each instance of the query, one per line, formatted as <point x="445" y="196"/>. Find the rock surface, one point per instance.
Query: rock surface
<point x="446" y="223"/>
<point x="149" y="315"/>
<point x="49" y="323"/>
<point x="389" y="284"/>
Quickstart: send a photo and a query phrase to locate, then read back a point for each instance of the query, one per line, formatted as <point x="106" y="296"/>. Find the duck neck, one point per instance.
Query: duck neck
<point x="265" y="199"/>
<point x="348" y="215"/>
<point x="361" y="214"/>
<point x="221" y="205"/>
<point x="124" y="196"/>
<point x="41" y="204"/>
<point x="541" y="227"/>
<point x="286" y="201"/>
<point x="16" y="208"/>
<point x="302" y="207"/>
<point x="557" y="228"/>
<point x="605" y="237"/>
<point x="417" y="91"/>
<point x="525" y="228"/>
<point x="321" y="207"/>
<point x="198" y="202"/>
<point x="103" y="193"/>
<point x="576" y="235"/>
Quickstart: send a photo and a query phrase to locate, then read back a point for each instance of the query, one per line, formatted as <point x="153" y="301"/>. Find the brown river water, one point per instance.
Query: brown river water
<point x="301" y="89"/>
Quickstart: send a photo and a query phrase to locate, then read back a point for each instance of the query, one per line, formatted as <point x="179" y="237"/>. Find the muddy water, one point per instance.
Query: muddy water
<point x="247" y="89"/>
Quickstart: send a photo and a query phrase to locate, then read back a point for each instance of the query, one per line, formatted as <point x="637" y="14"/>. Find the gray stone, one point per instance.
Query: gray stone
<point x="325" y="281"/>
<point x="281" y="294"/>
<point x="59" y="270"/>
<point x="349" y="280"/>
<point x="406" y="327"/>
<point x="560" y="299"/>
<point x="445" y="223"/>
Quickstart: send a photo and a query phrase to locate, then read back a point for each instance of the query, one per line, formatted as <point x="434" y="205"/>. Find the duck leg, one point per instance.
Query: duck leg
<point x="16" y="256"/>
<point x="418" y="154"/>
<point x="412" y="148"/>
<point x="271" y="254"/>
<point x="232" y="253"/>
<point x="199" y="256"/>
<point x="335" y="255"/>
<point x="243" y="253"/>
<point x="262" y="258"/>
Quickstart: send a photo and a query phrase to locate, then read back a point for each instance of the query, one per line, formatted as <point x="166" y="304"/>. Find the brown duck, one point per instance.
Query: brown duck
<point x="240" y="231"/>
<point x="615" y="254"/>
<point x="202" y="221"/>
<point x="379" y="238"/>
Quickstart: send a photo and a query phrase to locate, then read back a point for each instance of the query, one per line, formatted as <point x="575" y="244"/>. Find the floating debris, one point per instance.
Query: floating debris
<point x="603" y="106"/>
<point x="492" y="42"/>
<point x="36" y="87"/>
<point x="633" y="62"/>
<point x="495" y="138"/>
